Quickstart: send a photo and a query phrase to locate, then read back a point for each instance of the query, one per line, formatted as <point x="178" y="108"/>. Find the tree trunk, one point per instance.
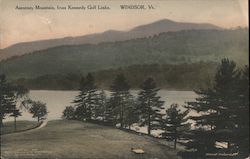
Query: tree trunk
<point x="149" y="125"/>
<point x="149" y="119"/>
<point x="103" y="118"/>
<point x="121" y="113"/>
<point x="175" y="142"/>
<point x="122" y="124"/>
<point x="38" y="119"/>
<point x="104" y="113"/>
<point x="229" y="145"/>
<point x="1" y="123"/>
<point x="14" y="123"/>
<point x="175" y="138"/>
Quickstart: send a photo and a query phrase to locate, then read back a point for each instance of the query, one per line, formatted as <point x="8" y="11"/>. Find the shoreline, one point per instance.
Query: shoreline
<point x="163" y="89"/>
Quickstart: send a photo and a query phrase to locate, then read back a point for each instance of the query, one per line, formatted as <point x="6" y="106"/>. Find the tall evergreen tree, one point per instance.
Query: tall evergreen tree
<point x="150" y="105"/>
<point x="7" y="98"/>
<point x="86" y="101"/>
<point x="131" y="113"/>
<point x="110" y="113"/>
<point x="242" y="114"/>
<point x="91" y="98"/>
<point x="175" y="124"/>
<point x="79" y="101"/>
<point x="216" y="106"/>
<point x="101" y="106"/>
<point x="119" y="99"/>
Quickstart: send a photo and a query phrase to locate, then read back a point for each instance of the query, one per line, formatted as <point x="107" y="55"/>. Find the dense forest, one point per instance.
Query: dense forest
<point x="177" y="77"/>
<point x="188" y="46"/>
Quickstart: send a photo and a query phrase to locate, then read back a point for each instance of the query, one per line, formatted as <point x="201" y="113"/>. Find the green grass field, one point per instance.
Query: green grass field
<point x="8" y="127"/>
<point x="74" y="139"/>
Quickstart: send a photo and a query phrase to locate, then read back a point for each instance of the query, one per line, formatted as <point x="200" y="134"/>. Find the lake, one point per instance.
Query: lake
<point x="57" y="100"/>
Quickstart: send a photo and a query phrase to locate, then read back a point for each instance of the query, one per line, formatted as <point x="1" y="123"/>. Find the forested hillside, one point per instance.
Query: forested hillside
<point x="166" y="48"/>
<point x="175" y="77"/>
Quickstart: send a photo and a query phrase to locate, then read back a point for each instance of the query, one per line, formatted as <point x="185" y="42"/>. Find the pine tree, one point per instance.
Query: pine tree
<point x="216" y="106"/>
<point x="226" y="98"/>
<point x="119" y="99"/>
<point x="7" y="98"/>
<point x="175" y="124"/>
<point x="101" y="106"/>
<point x="131" y="114"/>
<point x="86" y="101"/>
<point x="200" y="142"/>
<point x="242" y="114"/>
<point x="110" y="113"/>
<point x="91" y="98"/>
<point x="150" y="105"/>
<point x="79" y="101"/>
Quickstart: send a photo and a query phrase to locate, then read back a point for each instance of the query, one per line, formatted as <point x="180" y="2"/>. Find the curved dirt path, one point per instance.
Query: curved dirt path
<point x="44" y="123"/>
<point x="40" y="126"/>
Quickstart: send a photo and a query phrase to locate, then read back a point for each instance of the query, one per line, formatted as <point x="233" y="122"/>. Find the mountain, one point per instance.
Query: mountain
<point x="169" y="25"/>
<point x="187" y="46"/>
<point x="108" y="36"/>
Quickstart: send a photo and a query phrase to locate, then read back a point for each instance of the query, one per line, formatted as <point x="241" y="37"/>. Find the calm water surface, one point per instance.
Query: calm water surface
<point x="57" y="100"/>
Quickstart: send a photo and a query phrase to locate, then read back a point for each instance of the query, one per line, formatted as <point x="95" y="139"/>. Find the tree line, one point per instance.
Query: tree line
<point x="121" y="109"/>
<point x="223" y="112"/>
<point x="186" y="76"/>
<point x="14" y="98"/>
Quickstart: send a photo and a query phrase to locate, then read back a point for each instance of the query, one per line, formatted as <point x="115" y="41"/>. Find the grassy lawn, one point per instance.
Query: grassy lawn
<point x="74" y="139"/>
<point x="8" y="127"/>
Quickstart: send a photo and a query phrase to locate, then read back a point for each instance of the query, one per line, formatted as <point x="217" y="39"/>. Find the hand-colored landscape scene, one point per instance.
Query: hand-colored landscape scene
<point x="169" y="83"/>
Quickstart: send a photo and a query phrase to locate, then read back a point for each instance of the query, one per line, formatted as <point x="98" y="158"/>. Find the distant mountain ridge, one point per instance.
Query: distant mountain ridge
<point x="151" y="29"/>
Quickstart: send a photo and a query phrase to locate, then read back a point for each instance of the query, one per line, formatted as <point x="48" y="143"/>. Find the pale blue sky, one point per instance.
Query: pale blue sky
<point x="20" y="26"/>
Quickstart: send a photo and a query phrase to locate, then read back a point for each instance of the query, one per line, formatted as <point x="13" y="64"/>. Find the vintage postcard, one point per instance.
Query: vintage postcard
<point x="124" y="79"/>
